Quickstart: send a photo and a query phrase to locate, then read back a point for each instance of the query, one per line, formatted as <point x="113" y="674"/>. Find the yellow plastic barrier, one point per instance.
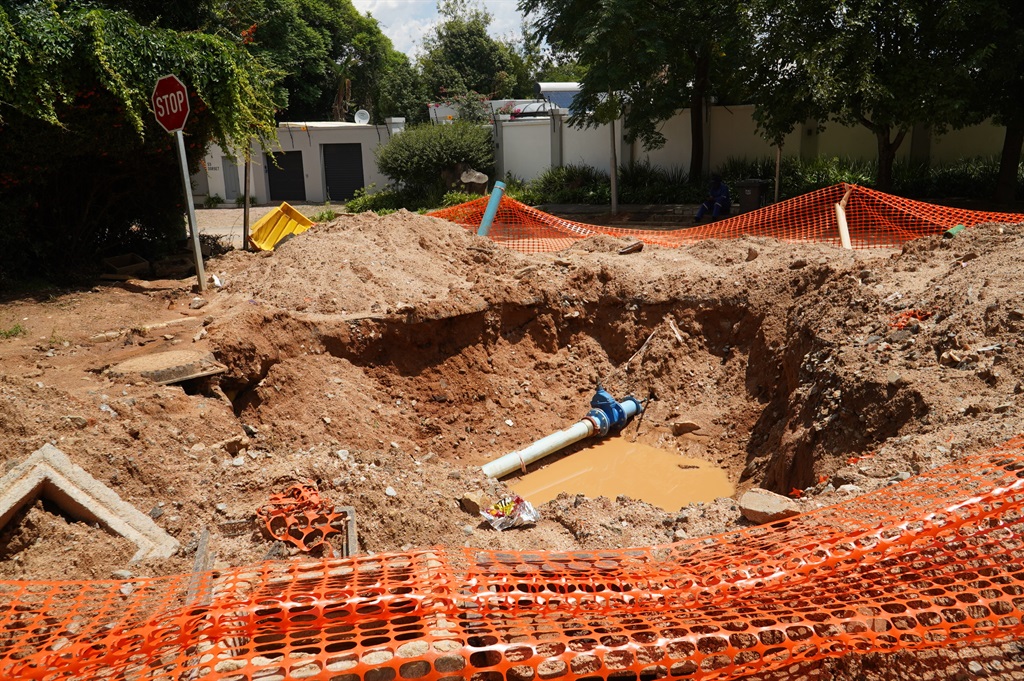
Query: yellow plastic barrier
<point x="279" y="223"/>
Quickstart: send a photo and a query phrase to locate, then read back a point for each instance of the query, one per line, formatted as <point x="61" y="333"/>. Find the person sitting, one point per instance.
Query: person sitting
<point x="718" y="201"/>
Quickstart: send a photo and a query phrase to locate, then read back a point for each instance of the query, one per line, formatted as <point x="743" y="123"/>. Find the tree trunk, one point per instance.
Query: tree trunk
<point x="886" y="157"/>
<point x="1009" y="162"/>
<point x="700" y="89"/>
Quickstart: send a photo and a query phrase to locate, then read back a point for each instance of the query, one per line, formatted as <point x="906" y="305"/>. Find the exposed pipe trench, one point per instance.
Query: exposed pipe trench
<point x="605" y="416"/>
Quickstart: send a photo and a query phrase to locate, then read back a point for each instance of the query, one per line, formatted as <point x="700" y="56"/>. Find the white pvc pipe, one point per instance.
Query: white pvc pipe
<point x="539" y="449"/>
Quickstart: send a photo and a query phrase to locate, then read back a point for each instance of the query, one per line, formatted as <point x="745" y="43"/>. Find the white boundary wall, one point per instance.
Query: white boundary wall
<point x="527" y="147"/>
<point x="730" y="132"/>
<point x="590" y="146"/>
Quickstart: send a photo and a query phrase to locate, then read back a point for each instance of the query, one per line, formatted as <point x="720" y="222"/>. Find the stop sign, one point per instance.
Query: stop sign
<point x="170" y="103"/>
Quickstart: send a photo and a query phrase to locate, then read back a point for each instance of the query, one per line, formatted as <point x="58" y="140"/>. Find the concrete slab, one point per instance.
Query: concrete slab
<point x="48" y="472"/>
<point x="172" y="366"/>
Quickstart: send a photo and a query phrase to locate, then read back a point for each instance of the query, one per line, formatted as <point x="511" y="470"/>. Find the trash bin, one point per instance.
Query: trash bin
<point x="751" y="194"/>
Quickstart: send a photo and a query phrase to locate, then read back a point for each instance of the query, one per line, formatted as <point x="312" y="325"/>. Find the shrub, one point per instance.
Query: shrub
<point x="521" y="190"/>
<point x="967" y="177"/>
<point x="572" y="184"/>
<point x="385" y="201"/>
<point x="641" y="182"/>
<point x="212" y="201"/>
<point x="456" y="197"/>
<point x="417" y="157"/>
<point x="326" y="214"/>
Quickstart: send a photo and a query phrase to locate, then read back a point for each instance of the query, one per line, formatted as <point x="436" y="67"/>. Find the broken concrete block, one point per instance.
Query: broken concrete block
<point x="48" y="472"/>
<point x="761" y="506"/>
<point x="684" y="427"/>
<point x="472" y="502"/>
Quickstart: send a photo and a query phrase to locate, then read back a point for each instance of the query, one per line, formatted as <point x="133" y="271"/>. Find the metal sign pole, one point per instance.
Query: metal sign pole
<point x="197" y="252"/>
<point x="245" y="213"/>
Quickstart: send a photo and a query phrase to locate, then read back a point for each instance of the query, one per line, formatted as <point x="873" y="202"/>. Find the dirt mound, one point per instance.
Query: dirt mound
<point x="386" y="358"/>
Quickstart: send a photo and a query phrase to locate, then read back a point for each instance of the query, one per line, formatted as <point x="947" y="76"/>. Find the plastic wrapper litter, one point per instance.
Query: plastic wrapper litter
<point x="510" y="511"/>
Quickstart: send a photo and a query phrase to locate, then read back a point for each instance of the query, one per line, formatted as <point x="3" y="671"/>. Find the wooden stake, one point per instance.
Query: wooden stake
<point x="844" y="229"/>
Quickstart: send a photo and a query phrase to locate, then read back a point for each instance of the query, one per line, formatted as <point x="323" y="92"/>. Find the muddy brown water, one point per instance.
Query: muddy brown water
<point x="616" y="466"/>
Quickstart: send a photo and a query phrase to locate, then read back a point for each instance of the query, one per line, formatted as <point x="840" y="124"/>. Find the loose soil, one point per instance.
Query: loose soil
<point x="387" y="358"/>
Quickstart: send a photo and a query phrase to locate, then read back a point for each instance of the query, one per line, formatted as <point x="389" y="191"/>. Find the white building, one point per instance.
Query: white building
<point x="311" y="162"/>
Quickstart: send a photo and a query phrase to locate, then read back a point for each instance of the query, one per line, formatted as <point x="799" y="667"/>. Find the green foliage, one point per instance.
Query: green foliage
<point x="456" y="197"/>
<point x="644" y="62"/>
<point x="966" y="178"/>
<point x="887" y="66"/>
<point x="573" y="184"/>
<point x="212" y="201"/>
<point x="390" y="199"/>
<point x="12" y="332"/>
<point x="421" y="155"/>
<point x="520" y="190"/>
<point x="469" y="106"/>
<point x="87" y="171"/>
<point x="460" y="57"/>
<point x="386" y="201"/>
<point x="642" y="182"/>
<point x="334" y="59"/>
<point x="326" y="214"/>
<point x="969" y="178"/>
<point x="399" y="91"/>
<point x="240" y="200"/>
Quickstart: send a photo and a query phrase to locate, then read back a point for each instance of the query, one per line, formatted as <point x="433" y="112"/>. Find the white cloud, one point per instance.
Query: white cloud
<point x="407" y="21"/>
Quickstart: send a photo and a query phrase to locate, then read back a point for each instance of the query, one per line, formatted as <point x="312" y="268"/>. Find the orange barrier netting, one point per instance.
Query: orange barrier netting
<point x="937" y="560"/>
<point x="301" y="517"/>
<point x="875" y="220"/>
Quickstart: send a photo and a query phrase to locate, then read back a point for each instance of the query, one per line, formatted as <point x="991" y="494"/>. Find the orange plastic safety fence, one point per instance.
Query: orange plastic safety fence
<point x="301" y="517"/>
<point x="937" y="560"/>
<point x="875" y="220"/>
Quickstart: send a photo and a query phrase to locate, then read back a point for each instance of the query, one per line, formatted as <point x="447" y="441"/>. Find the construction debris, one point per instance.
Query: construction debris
<point x="48" y="472"/>
<point x="761" y="506"/>
<point x="305" y="519"/>
<point x="172" y="366"/>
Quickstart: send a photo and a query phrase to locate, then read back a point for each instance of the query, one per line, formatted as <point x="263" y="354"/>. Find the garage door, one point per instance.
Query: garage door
<point x="343" y="170"/>
<point x="231" y="189"/>
<point x="287" y="181"/>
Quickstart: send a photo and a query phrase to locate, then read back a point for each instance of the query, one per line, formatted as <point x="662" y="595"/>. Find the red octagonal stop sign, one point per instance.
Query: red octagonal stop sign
<point x="170" y="103"/>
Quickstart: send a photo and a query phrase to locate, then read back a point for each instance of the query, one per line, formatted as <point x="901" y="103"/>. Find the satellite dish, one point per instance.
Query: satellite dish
<point x="362" y="117"/>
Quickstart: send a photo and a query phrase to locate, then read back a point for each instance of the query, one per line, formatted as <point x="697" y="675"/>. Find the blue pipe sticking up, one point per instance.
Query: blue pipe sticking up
<point x="492" y="208"/>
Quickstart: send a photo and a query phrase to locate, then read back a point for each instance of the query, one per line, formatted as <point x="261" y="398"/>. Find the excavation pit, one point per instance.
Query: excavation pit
<point x="421" y="345"/>
<point x="385" y="359"/>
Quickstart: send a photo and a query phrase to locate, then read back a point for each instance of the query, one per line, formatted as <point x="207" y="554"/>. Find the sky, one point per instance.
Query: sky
<point x="406" y="21"/>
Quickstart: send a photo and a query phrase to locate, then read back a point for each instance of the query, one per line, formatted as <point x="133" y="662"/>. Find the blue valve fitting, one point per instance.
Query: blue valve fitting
<point x="608" y="414"/>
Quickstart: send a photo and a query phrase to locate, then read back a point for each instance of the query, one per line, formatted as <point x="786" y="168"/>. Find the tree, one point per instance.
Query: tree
<point x="459" y="57"/>
<point x="333" y="58"/>
<point x="85" y="165"/>
<point x="991" y="66"/>
<point x="656" y="56"/>
<point x="399" y="91"/>
<point x="884" y="65"/>
<point x="543" y="63"/>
